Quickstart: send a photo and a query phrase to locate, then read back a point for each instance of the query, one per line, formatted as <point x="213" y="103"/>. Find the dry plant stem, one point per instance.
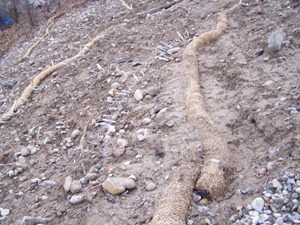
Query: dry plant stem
<point x="35" y="220"/>
<point x="50" y="25"/>
<point x="44" y="74"/>
<point x="126" y="5"/>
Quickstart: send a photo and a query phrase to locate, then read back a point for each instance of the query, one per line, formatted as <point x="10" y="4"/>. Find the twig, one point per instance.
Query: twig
<point x="92" y="188"/>
<point x="166" y="6"/>
<point x="126" y="5"/>
<point x="228" y="197"/>
<point x="8" y="164"/>
<point x="180" y="36"/>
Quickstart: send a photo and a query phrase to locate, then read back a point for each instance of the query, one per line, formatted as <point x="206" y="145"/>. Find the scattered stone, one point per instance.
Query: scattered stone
<point x="161" y="113"/>
<point x="147" y="121"/>
<point x="117" y="186"/>
<point x="117" y="152"/>
<point x="75" y="134"/>
<point x="67" y="183"/>
<point x="259" y="51"/>
<point x="276" y="184"/>
<point x="122" y="143"/>
<point x="258" y="204"/>
<point x="75" y="186"/>
<point x="91" y="176"/>
<point x="4" y="212"/>
<point x="138" y="95"/>
<point x="150" y="186"/>
<point x="76" y="199"/>
<point x="25" y="151"/>
<point x="153" y="91"/>
<point x="83" y="181"/>
<point x="132" y="177"/>
<point x="23" y="178"/>
<point x="275" y="40"/>
<point x="142" y="134"/>
<point x="115" y="85"/>
<point x="22" y="160"/>
<point x="11" y="173"/>
<point x="32" y="149"/>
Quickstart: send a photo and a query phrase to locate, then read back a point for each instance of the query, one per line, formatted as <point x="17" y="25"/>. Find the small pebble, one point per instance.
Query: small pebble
<point x="75" y="134"/>
<point x="138" y="95"/>
<point x="76" y="199"/>
<point x="150" y="186"/>
<point x="25" y="151"/>
<point x="75" y="186"/>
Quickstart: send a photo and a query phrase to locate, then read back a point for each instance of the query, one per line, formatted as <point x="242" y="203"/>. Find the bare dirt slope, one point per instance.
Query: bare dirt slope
<point x="253" y="100"/>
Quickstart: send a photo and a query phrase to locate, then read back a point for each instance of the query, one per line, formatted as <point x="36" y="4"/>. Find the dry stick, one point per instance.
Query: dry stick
<point x="166" y="6"/>
<point x="51" y="23"/>
<point x="126" y="5"/>
<point x="42" y="75"/>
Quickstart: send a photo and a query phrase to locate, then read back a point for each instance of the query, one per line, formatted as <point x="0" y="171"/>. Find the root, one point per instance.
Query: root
<point x="41" y="76"/>
<point x="126" y="5"/>
<point x="35" y="220"/>
<point x="50" y="25"/>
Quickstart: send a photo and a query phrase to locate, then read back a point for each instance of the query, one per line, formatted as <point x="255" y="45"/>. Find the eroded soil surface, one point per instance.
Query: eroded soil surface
<point x="253" y="97"/>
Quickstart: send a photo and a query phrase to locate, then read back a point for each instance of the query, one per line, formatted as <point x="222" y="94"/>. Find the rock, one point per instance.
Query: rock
<point x="76" y="199"/>
<point x="142" y="134"/>
<point x="22" y="160"/>
<point x="115" y="85"/>
<point x="153" y="91"/>
<point x="157" y="108"/>
<point x="150" y="186"/>
<point x="4" y="212"/>
<point x="173" y="50"/>
<point x="259" y="51"/>
<point x="1" y="33"/>
<point x="117" y="186"/>
<point x="75" y="186"/>
<point x="11" y="173"/>
<point x="23" y="178"/>
<point x="141" y="137"/>
<point x="262" y="171"/>
<point x="161" y="113"/>
<point x="32" y="149"/>
<point x="25" y="151"/>
<point x="75" y="134"/>
<point x="279" y="221"/>
<point x="83" y="180"/>
<point x="132" y="177"/>
<point x="275" y="40"/>
<point x="67" y="183"/>
<point x="297" y="190"/>
<point x="138" y="95"/>
<point x="147" y="121"/>
<point x="258" y="204"/>
<point x="91" y="176"/>
<point x="117" y="152"/>
<point x="276" y="184"/>
<point x="270" y="166"/>
<point x="112" y="92"/>
<point x="122" y="143"/>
